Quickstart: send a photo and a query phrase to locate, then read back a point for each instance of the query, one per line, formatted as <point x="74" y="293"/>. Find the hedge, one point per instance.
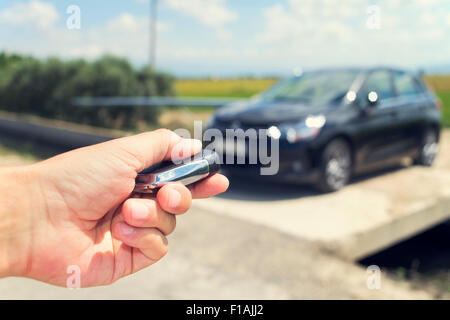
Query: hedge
<point x="46" y="88"/>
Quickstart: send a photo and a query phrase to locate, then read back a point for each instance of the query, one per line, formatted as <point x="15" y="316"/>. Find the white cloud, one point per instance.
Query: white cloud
<point x="212" y="13"/>
<point x="397" y="4"/>
<point x="304" y="21"/>
<point x="128" y="22"/>
<point x="427" y="19"/>
<point x="42" y="15"/>
<point x="324" y="32"/>
<point x="427" y="3"/>
<point x="125" y="35"/>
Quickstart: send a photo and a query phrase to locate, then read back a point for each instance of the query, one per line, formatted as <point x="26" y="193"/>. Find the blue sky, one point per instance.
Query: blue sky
<point x="236" y="37"/>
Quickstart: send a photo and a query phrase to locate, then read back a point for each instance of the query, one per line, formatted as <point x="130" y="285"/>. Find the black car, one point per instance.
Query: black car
<point x="332" y="124"/>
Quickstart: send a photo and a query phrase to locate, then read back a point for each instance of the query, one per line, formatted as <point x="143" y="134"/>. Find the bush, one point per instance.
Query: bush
<point x="47" y="88"/>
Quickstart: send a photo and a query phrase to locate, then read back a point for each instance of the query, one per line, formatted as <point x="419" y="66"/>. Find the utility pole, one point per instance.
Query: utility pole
<point x="153" y="26"/>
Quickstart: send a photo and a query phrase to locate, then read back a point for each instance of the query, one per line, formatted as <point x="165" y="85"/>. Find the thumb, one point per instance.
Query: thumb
<point x="149" y="148"/>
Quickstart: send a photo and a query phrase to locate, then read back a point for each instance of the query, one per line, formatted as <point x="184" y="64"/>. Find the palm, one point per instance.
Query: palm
<point x="87" y="209"/>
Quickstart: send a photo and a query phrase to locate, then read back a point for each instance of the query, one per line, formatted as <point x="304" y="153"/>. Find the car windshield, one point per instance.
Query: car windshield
<point x="314" y="88"/>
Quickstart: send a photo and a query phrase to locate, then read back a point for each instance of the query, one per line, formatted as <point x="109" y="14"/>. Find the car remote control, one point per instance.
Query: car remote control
<point x="197" y="168"/>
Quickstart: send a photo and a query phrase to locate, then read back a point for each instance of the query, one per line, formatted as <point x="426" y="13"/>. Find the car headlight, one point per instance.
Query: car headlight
<point x="274" y="133"/>
<point x="307" y="129"/>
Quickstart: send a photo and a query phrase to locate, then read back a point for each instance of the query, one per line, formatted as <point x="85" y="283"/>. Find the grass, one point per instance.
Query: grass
<point x="247" y="87"/>
<point x="445" y="98"/>
<point x="232" y="88"/>
<point x="223" y="88"/>
<point x="440" y="83"/>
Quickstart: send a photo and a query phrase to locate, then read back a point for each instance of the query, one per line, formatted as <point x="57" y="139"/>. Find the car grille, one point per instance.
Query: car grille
<point x="227" y="124"/>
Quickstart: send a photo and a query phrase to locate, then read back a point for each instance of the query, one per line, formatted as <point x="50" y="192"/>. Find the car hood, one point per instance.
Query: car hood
<point x="257" y="111"/>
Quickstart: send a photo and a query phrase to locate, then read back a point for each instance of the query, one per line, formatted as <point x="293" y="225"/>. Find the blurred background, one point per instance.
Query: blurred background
<point x="54" y="51"/>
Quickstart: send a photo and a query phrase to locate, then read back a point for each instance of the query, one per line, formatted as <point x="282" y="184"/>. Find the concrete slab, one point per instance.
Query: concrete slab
<point x="371" y="214"/>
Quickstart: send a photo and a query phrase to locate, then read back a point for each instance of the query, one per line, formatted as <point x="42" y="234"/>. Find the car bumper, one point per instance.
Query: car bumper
<point x="246" y="171"/>
<point x="295" y="164"/>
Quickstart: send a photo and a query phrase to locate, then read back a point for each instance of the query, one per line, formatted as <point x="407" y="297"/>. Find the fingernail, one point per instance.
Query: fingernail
<point x="139" y="211"/>
<point x="125" y="228"/>
<point x="174" y="198"/>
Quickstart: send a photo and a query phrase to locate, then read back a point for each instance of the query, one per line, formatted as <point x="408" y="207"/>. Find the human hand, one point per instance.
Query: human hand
<point x="76" y="209"/>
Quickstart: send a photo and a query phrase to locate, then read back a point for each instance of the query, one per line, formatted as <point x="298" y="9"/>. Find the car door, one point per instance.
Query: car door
<point x="411" y="103"/>
<point x="378" y="135"/>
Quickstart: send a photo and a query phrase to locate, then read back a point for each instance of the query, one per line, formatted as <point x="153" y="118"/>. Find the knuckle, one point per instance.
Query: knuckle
<point x="164" y="133"/>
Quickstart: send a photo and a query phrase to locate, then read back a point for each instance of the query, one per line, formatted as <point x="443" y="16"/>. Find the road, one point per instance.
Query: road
<point x="218" y="257"/>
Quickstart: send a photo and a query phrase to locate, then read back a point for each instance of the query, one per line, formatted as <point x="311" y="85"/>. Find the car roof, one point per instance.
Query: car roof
<point x="360" y="69"/>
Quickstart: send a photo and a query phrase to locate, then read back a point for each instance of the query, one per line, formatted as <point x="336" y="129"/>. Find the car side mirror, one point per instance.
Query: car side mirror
<point x="372" y="99"/>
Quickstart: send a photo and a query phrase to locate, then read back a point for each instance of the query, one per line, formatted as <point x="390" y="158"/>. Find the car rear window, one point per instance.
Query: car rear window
<point x="406" y="85"/>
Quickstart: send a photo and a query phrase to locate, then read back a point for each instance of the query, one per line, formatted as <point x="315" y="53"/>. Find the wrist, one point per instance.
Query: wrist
<point x="19" y="191"/>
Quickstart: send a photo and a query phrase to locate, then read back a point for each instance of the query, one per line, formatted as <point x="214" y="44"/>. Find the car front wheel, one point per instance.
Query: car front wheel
<point x="336" y="166"/>
<point x="428" y="149"/>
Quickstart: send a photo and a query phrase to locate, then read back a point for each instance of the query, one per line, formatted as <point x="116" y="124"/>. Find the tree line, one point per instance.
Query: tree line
<point x="47" y="87"/>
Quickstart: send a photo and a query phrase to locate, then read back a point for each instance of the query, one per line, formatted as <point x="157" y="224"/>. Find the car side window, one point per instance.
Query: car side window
<point x="379" y="82"/>
<point x="405" y="85"/>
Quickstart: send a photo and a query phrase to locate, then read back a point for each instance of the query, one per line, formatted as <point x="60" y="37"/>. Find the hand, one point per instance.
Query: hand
<point x="76" y="209"/>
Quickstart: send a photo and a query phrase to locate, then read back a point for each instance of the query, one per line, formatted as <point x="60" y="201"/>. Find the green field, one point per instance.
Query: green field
<point x="233" y="88"/>
<point x="441" y="85"/>
<point x="445" y="98"/>
<point x="247" y="87"/>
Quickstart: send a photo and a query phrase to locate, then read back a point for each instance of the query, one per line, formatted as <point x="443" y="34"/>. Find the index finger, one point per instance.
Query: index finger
<point x="149" y="148"/>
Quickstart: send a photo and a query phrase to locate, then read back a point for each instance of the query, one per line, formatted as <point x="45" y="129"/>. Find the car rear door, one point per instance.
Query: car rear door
<point x="411" y="103"/>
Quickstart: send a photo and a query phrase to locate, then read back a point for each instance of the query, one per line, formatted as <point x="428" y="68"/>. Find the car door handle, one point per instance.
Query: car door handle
<point x="393" y="113"/>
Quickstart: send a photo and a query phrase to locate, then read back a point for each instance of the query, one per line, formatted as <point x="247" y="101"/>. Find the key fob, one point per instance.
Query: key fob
<point x="197" y="168"/>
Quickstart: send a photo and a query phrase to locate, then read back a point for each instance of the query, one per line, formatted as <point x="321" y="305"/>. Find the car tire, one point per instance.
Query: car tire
<point x="335" y="166"/>
<point x="429" y="148"/>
